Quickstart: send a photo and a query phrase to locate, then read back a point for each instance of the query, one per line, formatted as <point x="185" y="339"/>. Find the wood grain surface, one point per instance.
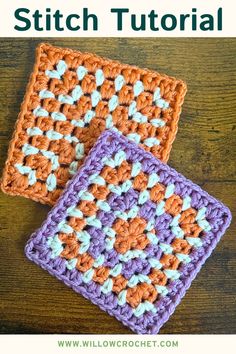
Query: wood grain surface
<point x="32" y="301"/>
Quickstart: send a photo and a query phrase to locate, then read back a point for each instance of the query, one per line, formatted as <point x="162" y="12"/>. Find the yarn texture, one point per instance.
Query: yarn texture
<point x="71" y="98"/>
<point x="129" y="233"/>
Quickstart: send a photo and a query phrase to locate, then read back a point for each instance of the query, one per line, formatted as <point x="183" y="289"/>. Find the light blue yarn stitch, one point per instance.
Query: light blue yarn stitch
<point x="122" y="297"/>
<point x="143" y="307"/>
<point x="132" y="108"/>
<point x="88" y="275"/>
<point x="99" y="77"/>
<point x="153" y="179"/>
<point x="51" y="182"/>
<point x="95" y="98"/>
<point x="46" y="94"/>
<point x="57" y="74"/>
<point x="134" y="137"/>
<point x="113" y="103"/>
<point x="71" y="263"/>
<point x="138" y="88"/>
<point x="81" y="72"/>
<point x="40" y="112"/>
<point x="107" y="286"/>
<point x="144" y="196"/>
<point x="119" y="82"/>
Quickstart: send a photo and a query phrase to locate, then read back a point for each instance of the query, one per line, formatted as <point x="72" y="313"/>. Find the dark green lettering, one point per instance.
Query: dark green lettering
<point x="86" y="17"/>
<point x="152" y="15"/>
<point x="37" y="15"/>
<point x="119" y="13"/>
<point x="220" y="19"/>
<point x="194" y="19"/>
<point x="57" y="15"/>
<point x="142" y="26"/>
<point x="173" y="23"/>
<point x="19" y="17"/>
<point x="182" y="21"/>
<point x="208" y="24"/>
<point x="69" y="20"/>
<point x="48" y="19"/>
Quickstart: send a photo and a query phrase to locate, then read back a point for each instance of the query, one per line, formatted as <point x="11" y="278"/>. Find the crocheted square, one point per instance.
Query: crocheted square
<point x="129" y="233"/>
<point x="71" y="98"/>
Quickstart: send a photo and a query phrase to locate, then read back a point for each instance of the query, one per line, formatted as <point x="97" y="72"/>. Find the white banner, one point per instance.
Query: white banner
<point x="118" y="18"/>
<point x="102" y="344"/>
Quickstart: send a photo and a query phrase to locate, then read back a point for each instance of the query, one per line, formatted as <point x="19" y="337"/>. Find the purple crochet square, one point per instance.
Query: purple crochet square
<point x="129" y="233"/>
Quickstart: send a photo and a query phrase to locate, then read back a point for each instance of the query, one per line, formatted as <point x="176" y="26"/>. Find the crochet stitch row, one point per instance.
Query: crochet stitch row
<point x="129" y="233"/>
<point x="71" y="98"/>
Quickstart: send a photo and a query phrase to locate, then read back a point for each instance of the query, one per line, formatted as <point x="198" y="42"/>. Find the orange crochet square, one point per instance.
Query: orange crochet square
<point x="71" y="98"/>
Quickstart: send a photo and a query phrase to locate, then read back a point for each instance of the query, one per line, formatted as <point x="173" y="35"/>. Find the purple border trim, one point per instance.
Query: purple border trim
<point x="218" y="215"/>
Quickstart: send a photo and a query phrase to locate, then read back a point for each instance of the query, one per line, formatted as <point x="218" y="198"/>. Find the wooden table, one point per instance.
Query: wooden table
<point x="32" y="301"/>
